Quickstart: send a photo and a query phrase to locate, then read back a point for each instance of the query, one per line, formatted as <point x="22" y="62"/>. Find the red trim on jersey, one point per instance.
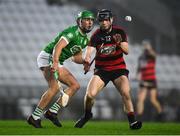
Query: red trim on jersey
<point x="109" y="68"/>
<point x="151" y="77"/>
<point x="118" y="27"/>
<point x="110" y="63"/>
<point x="113" y="60"/>
<point x="148" y="72"/>
<point x="150" y="64"/>
<point x="95" y="32"/>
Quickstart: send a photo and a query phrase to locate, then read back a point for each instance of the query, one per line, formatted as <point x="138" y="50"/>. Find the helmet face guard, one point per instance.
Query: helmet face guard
<point x="85" y="15"/>
<point x="104" y="14"/>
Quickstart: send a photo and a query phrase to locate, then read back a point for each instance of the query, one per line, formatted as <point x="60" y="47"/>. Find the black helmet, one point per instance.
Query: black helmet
<point x="104" y="14"/>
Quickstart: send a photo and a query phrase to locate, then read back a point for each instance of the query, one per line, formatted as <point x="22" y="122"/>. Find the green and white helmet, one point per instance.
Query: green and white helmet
<point x="86" y="14"/>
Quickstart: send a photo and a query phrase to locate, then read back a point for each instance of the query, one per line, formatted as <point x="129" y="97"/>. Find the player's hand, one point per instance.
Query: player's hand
<point x="54" y="67"/>
<point x="86" y="65"/>
<point x="117" y="38"/>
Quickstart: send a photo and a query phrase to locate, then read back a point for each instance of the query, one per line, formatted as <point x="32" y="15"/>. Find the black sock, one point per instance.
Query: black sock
<point x="87" y="112"/>
<point x="131" y="117"/>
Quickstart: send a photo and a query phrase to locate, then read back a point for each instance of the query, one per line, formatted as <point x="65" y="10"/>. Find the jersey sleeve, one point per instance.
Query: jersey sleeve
<point x="123" y="35"/>
<point x="94" y="41"/>
<point x="120" y="31"/>
<point x="68" y="36"/>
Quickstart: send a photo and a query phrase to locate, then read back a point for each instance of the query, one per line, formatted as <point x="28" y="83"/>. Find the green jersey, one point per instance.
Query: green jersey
<point x="75" y="39"/>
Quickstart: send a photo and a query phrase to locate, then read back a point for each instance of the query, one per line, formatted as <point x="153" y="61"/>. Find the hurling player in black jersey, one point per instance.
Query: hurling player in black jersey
<point x="110" y="43"/>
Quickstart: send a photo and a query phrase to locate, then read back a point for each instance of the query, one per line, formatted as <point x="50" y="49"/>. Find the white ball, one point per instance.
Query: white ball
<point x="128" y="18"/>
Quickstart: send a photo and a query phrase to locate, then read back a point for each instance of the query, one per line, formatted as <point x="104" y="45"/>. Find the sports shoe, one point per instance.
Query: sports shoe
<point x="83" y="120"/>
<point x="135" y="125"/>
<point x="33" y="122"/>
<point x="52" y="117"/>
<point x="160" y="117"/>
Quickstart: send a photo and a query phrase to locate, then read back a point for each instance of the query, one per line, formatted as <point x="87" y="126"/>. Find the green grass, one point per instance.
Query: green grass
<point x="92" y="128"/>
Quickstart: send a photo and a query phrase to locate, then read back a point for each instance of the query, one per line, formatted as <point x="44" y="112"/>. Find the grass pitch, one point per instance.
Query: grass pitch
<point x="92" y="128"/>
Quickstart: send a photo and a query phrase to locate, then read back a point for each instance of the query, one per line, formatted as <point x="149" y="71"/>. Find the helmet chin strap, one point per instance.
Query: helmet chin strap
<point x="85" y="30"/>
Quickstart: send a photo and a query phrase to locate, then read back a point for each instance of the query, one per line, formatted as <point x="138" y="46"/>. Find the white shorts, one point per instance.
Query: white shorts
<point x="44" y="59"/>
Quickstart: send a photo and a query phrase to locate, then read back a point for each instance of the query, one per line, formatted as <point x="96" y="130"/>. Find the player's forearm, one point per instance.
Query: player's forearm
<point x="88" y="53"/>
<point x="58" y="49"/>
<point x="56" y="54"/>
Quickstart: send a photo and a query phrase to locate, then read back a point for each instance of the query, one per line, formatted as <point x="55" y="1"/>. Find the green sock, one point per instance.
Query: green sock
<point x="37" y="113"/>
<point x="55" y="108"/>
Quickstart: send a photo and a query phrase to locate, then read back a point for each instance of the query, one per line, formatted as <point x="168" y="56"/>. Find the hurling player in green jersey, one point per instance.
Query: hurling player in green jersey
<point x="68" y="44"/>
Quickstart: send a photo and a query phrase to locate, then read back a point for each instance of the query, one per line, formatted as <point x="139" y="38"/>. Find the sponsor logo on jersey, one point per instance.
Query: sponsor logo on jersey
<point x="75" y="49"/>
<point x="106" y="50"/>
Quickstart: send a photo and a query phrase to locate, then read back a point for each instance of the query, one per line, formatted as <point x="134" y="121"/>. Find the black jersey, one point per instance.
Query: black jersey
<point x="108" y="56"/>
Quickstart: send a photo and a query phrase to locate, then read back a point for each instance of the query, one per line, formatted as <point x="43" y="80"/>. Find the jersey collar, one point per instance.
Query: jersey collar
<point x="80" y="31"/>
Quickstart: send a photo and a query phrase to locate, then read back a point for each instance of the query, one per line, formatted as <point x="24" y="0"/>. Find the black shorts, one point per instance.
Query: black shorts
<point x="107" y="76"/>
<point x="148" y="84"/>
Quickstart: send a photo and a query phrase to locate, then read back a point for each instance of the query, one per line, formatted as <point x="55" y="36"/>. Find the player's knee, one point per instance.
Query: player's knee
<point x="91" y="95"/>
